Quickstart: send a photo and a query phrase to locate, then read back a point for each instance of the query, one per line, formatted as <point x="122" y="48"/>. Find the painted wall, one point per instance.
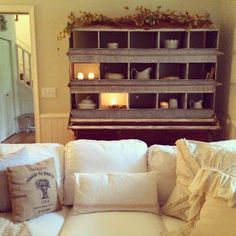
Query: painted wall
<point x="227" y="67"/>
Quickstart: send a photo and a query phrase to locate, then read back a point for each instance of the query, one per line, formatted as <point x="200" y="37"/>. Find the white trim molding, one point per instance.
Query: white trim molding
<point x="54" y="128"/>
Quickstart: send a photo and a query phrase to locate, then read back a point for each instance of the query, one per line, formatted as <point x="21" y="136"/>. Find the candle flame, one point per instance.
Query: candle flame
<point x="113" y="101"/>
<point x="91" y="75"/>
<point x="80" y="75"/>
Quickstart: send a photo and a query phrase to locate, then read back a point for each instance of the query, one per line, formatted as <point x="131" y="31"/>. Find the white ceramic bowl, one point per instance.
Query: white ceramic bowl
<point x="171" y="43"/>
<point x="114" y="76"/>
<point x="171" y="77"/>
<point x="112" y="45"/>
<point x="86" y="106"/>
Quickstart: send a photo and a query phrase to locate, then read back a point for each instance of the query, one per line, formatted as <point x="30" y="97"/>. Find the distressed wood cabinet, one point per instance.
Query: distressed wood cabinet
<point x="177" y="90"/>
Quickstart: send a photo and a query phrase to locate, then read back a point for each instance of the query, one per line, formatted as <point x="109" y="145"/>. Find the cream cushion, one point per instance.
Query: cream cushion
<point x="91" y="156"/>
<point x="18" y="157"/>
<point x="48" y="224"/>
<point x="217" y="218"/>
<point x="115" y="192"/>
<point x="191" y="156"/>
<point x="39" y="152"/>
<point x="213" y="205"/>
<point x="113" y="224"/>
<point x="162" y="159"/>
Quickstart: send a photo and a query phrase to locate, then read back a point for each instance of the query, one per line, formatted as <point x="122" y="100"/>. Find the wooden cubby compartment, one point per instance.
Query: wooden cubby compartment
<point x="92" y="96"/>
<point x="203" y="39"/>
<point x="142" y="101"/>
<point x="143" y="39"/>
<point x="119" y="37"/>
<point x="121" y="68"/>
<point x="203" y="71"/>
<point x="139" y="67"/>
<point x="84" y="39"/>
<point x="181" y="36"/>
<point x="207" y="99"/>
<point x="172" y="70"/>
<point x="180" y="97"/>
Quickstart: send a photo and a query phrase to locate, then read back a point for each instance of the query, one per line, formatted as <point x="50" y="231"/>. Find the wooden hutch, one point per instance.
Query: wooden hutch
<point x="124" y="106"/>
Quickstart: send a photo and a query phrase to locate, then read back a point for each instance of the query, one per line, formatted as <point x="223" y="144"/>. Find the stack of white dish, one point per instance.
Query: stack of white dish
<point x="86" y="103"/>
<point x="114" y="76"/>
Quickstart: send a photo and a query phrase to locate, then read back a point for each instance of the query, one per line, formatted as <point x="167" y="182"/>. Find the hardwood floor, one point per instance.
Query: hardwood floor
<point x="21" y="137"/>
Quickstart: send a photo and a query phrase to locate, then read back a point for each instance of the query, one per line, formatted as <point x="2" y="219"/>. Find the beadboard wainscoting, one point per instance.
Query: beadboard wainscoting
<point x="54" y="128"/>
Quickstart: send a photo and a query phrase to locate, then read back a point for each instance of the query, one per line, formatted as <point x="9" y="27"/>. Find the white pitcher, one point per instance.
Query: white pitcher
<point x="141" y="75"/>
<point x="196" y="105"/>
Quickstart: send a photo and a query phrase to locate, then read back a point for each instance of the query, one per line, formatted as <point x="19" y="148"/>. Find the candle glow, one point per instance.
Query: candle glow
<point x="164" y="105"/>
<point x="80" y="76"/>
<point x="91" y="75"/>
<point x="113" y="101"/>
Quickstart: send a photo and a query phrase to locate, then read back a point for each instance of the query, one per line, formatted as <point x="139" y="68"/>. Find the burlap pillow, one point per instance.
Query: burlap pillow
<point x="33" y="190"/>
<point x="20" y="157"/>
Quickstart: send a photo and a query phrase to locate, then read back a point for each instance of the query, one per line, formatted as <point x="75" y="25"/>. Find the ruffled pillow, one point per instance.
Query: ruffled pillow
<point x="212" y="200"/>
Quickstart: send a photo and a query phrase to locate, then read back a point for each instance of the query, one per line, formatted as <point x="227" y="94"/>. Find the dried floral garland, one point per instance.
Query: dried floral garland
<point x="3" y="23"/>
<point x="142" y="18"/>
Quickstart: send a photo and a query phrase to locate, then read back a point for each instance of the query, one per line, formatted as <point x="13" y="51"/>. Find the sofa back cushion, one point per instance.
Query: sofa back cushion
<point x="162" y="159"/>
<point x="91" y="156"/>
<point x="40" y="152"/>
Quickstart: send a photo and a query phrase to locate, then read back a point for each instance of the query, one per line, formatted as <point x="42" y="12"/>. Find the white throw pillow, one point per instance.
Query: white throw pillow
<point x="162" y="159"/>
<point x="91" y="156"/>
<point x="115" y="192"/>
<point x="191" y="156"/>
<point x="19" y="157"/>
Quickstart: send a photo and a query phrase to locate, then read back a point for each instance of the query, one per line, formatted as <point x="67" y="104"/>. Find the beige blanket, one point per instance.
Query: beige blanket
<point x="8" y="228"/>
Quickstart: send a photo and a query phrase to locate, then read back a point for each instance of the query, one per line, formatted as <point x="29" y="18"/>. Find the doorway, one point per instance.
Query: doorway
<point x="7" y="105"/>
<point x="19" y="108"/>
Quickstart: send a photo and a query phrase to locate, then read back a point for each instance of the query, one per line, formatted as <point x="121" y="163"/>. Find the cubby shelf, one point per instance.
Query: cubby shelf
<point x="186" y="75"/>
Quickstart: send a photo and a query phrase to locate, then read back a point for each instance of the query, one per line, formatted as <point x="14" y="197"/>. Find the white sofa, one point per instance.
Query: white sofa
<point x="89" y="156"/>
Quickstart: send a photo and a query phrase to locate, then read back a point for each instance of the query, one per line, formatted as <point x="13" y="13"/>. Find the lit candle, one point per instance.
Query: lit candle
<point x="91" y="75"/>
<point x="80" y="76"/>
<point x="113" y="102"/>
<point x="164" y="105"/>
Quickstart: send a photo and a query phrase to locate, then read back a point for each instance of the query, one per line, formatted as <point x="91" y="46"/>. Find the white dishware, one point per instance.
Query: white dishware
<point x="173" y="103"/>
<point x="141" y="75"/>
<point x="171" y="43"/>
<point x="114" y="76"/>
<point x="196" y="105"/>
<point x="86" y="103"/>
<point x="112" y="45"/>
<point x="171" y="77"/>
